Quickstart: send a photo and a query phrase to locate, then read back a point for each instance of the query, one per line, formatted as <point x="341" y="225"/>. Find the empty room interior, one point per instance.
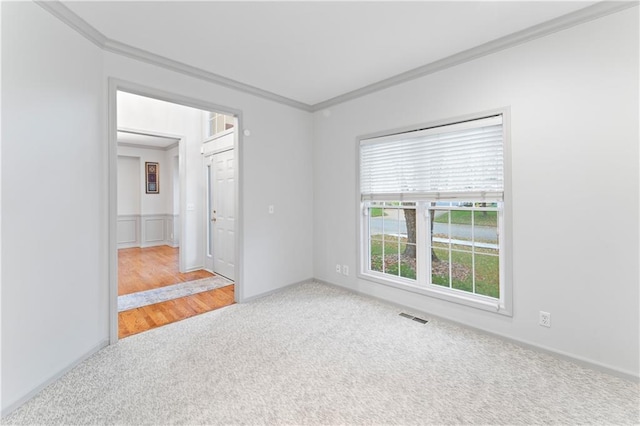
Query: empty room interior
<point x="320" y="212"/>
<point x="161" y="277"/>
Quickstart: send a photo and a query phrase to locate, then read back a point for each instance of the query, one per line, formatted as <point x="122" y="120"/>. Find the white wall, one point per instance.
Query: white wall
<point x="164" y="118"/>
<point x="146" y="220"/>
<point x="275" y="170"/>
<point x="149" y="203"/>
<point x="54" y="77"/>
<point x="175" y="183"/>
<point x="54" y="257"/>
<point x="159" y="117"/>
<point x="129" y="186"/>
<point x="574" y="133"/>
<point x="175" y="202"/>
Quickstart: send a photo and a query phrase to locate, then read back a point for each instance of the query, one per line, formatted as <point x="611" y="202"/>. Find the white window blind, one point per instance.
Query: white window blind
<point x="459" y="160"/>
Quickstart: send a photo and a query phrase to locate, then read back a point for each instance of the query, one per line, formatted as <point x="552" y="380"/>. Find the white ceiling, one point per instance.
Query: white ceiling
<point x="312" y="51"/>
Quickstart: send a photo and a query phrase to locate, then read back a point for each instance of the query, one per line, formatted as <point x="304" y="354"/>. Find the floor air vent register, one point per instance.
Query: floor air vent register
<point x="411" y="317"/>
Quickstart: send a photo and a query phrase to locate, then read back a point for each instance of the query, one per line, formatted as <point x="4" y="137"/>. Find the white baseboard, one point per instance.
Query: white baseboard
<point x="127" y="245"/>
<point x="277" y="290"/>
<point x="17" y="404"/>
<point x="154" y="244"/>
<point x="523" y="343"/>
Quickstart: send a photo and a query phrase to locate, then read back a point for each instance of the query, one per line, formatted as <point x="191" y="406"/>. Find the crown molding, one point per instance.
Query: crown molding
<point x="560" y="23"/>
<point x="151" y="58"/>
<point x="598" y="10"/>
<point x="64" y="14"/>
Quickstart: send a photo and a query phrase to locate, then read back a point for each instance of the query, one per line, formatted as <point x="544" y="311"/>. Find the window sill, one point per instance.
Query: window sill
<point x="451" y="295"/>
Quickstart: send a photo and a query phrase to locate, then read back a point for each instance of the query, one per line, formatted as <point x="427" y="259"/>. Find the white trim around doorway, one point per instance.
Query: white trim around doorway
<point x="115" y="85"/>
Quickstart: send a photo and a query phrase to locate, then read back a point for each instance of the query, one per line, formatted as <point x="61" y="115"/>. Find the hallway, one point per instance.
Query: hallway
<point x="141" y="269"/>
<point x="152" y="268"/>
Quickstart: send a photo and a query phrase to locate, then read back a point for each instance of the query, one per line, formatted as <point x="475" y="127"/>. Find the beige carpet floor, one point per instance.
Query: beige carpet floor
<point x="314" y="354"/>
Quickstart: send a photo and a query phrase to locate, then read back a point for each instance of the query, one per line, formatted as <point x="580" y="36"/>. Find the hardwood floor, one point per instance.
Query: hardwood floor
<point x="141" y="269"/>
<point x="146" y="318"/>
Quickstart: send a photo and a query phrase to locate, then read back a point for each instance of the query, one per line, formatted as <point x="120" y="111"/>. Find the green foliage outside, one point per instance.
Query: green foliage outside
<point x="406" y="271"/>
<point x="376" y="212"/>
<point x="392" y="246"/>
<point x="463" y="217"/>
<point x="487" y="269"/>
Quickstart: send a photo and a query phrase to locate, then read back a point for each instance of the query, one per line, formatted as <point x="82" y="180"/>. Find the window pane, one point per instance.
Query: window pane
<point x="228" y="122"/>
<point x="219" y="123"/>
<point x="487" y="274"/>
<point x="376" y="253"/>
<point x="391" y="250"/>
<point x="408" y="250"/>
<point x="461" y="268"/>
<point x="408" y="263"/>
<point x="387" y="225"/>
<point x="388" y="260"/>
<point x="440" y="265"/>
<point x="391" y="221"/>
<point x="465" y="247"/>
<point x="440" y="225"/>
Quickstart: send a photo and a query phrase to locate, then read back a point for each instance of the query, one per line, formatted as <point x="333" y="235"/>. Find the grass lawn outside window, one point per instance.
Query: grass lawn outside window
<point x="433" y="206"/>
<point x="471" y="265"/>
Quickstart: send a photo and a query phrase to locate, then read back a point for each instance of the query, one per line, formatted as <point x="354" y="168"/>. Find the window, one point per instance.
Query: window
<point x="433" y="211"/>
<point x="218" y="123"/>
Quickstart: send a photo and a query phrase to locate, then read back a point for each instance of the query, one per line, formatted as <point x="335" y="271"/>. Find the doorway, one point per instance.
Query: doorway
<point x="181" y="226"/>
<point x="220" y="256"/>
<point x="219" y="166"/>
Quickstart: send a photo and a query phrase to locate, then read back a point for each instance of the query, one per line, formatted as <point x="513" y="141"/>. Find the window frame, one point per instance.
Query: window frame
<point x="504" y="304"/>
<point x="207" y="118"/>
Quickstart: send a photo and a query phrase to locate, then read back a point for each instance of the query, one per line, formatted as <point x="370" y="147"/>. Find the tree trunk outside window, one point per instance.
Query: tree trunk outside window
<point x="410" y="218"/>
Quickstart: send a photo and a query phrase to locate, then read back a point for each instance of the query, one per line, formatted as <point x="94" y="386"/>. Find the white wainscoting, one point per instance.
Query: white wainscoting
<point x="128" y="231"/>
<point x="148" y="230"/>
<point x="153" y="230"/>
<point x="173" y="230"/>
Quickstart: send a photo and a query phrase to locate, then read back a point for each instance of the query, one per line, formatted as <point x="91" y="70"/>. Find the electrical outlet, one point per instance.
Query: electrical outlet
<point x="338" y="268"/>
<point x="545" y="319"/>
<point x="345" y="270"/>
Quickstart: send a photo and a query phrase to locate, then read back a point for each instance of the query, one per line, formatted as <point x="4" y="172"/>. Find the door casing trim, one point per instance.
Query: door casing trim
<point x="115" y="85"/>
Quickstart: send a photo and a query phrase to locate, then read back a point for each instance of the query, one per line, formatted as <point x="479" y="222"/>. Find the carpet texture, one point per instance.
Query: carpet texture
<point x="314" y="354"/>
<point x="170" y="292"/>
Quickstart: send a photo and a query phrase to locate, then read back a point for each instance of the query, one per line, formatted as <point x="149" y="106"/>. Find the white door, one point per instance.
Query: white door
<point x="221" y="205"/>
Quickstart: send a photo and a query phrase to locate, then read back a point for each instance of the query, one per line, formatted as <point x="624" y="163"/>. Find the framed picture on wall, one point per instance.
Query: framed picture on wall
<point x="152" y="178"/>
